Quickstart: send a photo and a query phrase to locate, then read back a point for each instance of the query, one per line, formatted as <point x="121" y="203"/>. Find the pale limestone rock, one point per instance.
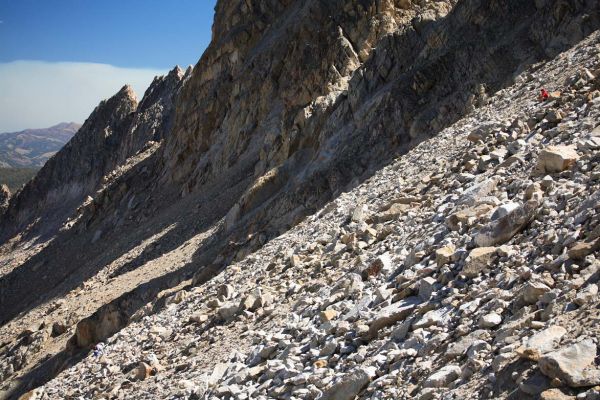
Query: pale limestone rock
<point x="350" y="384"/>
<point x="444" y="255"/>
<point x="443" y="377"/>
<point x="490" y="320"/>
<point x="543" y="342"/>
<point x="504" y="228"/>
<point x="478" y="260"/>
<point x="533" y="290"/>
<point x="587" y="295"/>
<point x="391" y="314"/>
<point x="556" y="159"/>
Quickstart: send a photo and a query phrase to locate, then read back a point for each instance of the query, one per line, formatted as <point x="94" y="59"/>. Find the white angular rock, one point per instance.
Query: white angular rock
<point x="478" y="260"/>
<point x="443" y="377"/>
<point x="490" y="320"/>
<point x="350" y="384"/>
<point x="556" y="159"/>
<point x="392" y="314"/>
<point x="543" y="342"/>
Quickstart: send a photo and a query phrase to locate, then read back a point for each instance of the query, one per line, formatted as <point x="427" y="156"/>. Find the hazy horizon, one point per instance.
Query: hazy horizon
<point x="59" y="59"/>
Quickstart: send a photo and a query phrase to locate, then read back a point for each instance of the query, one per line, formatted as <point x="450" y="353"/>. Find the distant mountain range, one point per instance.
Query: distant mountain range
<point x="31" y="148"/>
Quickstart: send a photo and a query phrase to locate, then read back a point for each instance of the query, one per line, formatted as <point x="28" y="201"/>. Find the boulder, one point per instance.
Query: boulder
<point x="478" y="191"/>
<point x="580" y="250"/>
<point x="532" y="291"/>
<point x="467" y="216"/>
<point x="556" y="159"/>
<point x="477" y="260"/>
<point x="391" y="314"/>
<point x="490" y="320"/>
<point x="228" y="311"/>
<point x="555" y="394"/>
<point x="572" y="364"/>
<point x="349" y="385"/>
<point x="328" y="315"/>
<point x="444" y="255"/>
<point x="443" y="377"/>
<point x="587" y="295"/>
<point x="143" y="371"/>
<point x="504" y="228"/>
<point x="426" y="288"/>
<point x="542" y="342"/>
<point x="460" y="347"/>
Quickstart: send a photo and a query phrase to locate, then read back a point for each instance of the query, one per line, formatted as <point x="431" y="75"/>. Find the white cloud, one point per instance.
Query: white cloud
<point x="37" y="94"/>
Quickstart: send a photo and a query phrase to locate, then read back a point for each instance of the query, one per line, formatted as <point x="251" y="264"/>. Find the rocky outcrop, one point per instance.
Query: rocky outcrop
<point x="373" y="80"/>
<point x="117" y="129"/>
<point x="154" y="115"/>
<point x="4" y="198"/>
<point x="64" y="181"/>
<point x="356" y="308"/>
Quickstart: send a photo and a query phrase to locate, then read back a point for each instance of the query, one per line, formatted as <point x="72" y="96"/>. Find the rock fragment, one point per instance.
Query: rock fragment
<point x="572" y="364"/>
<point x="443" y="377"/>
<point x="556" y="159"/>
<point x="478" y="260"/>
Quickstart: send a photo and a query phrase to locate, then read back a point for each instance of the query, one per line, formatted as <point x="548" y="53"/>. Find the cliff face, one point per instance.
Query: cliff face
<point x="117" y="129"/>
<point x="293" y="103"/>
<point x="295" y="99"/>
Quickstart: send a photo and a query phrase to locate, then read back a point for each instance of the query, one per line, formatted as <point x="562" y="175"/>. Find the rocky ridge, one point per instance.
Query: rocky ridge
<point x="465" y="269"/>
<point x="116" y="130"/>
<point x="290" y="117"/>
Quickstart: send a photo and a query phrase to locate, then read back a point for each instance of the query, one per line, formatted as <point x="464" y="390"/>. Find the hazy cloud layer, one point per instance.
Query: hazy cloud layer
<point x="37" y="94"/>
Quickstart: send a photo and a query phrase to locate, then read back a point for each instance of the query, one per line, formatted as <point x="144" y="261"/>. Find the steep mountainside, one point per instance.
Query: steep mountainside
<point x="117" y="129"/>
<point x="33" y="147"/>
<point x="466" y="269"/>
<point x="296" y="103"/>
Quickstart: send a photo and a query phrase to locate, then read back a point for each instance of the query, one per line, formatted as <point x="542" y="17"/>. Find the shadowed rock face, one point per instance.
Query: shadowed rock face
<point x="117" y="129"/>
<point x="293" y="100"/>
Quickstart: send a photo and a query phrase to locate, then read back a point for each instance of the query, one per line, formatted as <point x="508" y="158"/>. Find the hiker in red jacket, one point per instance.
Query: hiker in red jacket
<point x="544" y="95"/>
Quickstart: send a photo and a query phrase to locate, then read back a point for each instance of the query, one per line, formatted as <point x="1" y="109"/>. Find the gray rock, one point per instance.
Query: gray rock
<point x="490" y="320"/>
<point x="504" y="228"/>
<point x="532" y="291"/>
<point x="443" y="377"/>
<point x="587" y="295"/>
<point x="572" y="364"/>
<point x="461" y="346"/>
<point x="391" y="314"/>
<point x="349" y="385"/>
<point x="477" y="260"/>
<point x="543" y="341"/>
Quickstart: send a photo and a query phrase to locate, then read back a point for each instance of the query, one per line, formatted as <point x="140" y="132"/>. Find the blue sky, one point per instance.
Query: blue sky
<point x="78" y="52"/>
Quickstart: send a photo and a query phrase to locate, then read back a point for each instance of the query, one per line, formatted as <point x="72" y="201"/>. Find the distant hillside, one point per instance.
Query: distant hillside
<point x="14" y="178"/>
<point x="31" y="148"/>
